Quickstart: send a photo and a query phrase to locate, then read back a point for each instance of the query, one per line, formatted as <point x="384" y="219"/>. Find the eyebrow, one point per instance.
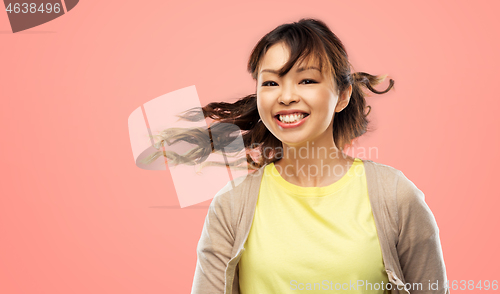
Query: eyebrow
<point x="300" y="69"/>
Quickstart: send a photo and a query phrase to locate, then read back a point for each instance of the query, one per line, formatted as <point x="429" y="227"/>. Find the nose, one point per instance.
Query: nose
<point x="288" y="95"/>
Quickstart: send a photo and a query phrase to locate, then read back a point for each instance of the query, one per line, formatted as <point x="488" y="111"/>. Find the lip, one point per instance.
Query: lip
<point x="289" y="111"/>
<point x="290" y="125"/>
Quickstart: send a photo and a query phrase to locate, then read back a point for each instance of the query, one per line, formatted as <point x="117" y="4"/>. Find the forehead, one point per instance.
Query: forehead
<point x="278" y="54"/>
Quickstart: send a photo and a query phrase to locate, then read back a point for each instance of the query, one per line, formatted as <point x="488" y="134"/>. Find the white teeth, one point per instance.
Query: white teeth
<point x="290" y="118"/>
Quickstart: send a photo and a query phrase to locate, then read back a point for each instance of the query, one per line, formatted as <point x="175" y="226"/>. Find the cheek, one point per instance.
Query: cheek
<point x="259" y="106"/>
<point x="263" y="106"/>
<point x="325" y="109"/>
<point x="264" y="109"/>
<point x="327" y="103"/>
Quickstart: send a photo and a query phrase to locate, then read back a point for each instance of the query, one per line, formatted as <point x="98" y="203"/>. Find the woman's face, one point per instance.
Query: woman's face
<point x="305" y="93"/>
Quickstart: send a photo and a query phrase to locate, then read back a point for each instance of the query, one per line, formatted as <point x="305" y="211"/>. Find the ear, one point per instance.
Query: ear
<point x="344" y="99"/>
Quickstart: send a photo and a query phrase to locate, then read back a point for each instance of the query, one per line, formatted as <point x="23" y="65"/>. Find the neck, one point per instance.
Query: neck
<point x="313" y="163"/>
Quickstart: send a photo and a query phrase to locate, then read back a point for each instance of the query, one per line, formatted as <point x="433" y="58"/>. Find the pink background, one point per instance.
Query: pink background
<point x="77" y="215"/>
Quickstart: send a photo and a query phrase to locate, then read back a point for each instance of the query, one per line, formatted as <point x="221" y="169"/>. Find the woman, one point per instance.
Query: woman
<point x="318" y="219"/>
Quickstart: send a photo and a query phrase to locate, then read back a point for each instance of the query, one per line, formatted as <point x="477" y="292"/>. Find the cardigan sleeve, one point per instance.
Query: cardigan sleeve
<point x="419" y="247"/>
<point x="214" y="247"/>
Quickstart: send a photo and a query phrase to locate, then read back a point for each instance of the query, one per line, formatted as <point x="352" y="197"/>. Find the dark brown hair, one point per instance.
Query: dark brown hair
<point x="309" y="40"/>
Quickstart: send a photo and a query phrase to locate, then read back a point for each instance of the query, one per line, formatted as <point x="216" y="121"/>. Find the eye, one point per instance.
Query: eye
<point x="266" y="83"/>
<point x="309" y="81"/>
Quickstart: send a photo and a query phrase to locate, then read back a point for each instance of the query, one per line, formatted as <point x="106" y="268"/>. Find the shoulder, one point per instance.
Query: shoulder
<point x="231" y="204"/>
<point x="389" y="175"/>
<point x="238" y="191"/>
<point x="384" y="172"/>
<point x="399" y="191"/>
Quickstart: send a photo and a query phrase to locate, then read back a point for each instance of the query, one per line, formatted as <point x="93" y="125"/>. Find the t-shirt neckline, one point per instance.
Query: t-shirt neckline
<point x="274" y="175"/>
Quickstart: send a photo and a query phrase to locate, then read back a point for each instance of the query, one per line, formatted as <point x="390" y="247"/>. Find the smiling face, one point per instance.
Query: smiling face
<point x="305" y="91"/>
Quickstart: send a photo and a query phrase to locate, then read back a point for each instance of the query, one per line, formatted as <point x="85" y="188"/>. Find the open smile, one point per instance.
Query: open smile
<point x="291" y="120"/>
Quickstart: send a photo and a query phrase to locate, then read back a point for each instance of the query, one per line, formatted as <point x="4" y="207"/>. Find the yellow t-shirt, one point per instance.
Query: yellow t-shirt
<point x="314" y="239"/>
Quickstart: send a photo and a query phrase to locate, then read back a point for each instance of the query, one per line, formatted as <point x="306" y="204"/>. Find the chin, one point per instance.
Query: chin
<point x="292" y="142"/>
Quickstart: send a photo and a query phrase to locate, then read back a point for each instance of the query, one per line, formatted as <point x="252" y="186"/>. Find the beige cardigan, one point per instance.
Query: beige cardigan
<point x="407" y="231"/>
